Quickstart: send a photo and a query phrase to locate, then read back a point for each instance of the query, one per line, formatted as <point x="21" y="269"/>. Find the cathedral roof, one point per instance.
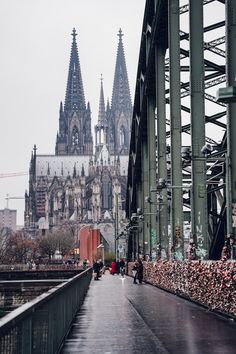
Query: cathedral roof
<point x="74" y="99"/>
<point x="60" y="165"/>
<point x="63" y="166"/>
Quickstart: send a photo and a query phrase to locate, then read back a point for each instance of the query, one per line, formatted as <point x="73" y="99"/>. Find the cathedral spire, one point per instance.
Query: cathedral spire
<point x="120" y="114"/>
<point x="101" y="112"/>
<point x="121" y="100"/>
<point x="75" y="135"/>
<point x="75" y="99"/>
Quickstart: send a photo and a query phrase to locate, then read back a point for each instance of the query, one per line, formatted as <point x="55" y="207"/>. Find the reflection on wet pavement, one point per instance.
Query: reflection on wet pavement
<point x="121" y="317"/>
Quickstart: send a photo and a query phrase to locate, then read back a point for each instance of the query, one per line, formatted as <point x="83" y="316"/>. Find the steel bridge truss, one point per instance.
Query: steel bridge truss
<point x="182" y="165"/>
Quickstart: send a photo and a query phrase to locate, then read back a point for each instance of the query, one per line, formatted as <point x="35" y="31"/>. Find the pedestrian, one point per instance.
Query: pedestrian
<point x="140" y="271"/>
<point x="101" y="267"/>
<point x="134" y="271"/>
<point x="122" y="267"/>
<point x="85" y="263"/>
<point x="113" y="267"/>
<point x="118" y="267"/>
<point x="96" y="270"/>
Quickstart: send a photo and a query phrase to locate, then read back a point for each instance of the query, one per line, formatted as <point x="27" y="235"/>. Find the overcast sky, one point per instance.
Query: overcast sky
<point x="35" y="49"/>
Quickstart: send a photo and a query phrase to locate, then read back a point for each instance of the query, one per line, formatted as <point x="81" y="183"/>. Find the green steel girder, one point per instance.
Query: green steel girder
<point x="155" y="31"/>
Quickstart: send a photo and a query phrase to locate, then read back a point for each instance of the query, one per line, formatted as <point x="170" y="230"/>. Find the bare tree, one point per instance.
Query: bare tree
<point x="47" y="244"/>
<point x="21" y="247"/>
<point x="5" y="235"/>
<point x="65" y="240"/>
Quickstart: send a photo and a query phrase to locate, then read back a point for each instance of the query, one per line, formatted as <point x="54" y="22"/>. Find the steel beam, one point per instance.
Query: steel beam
<point x="231" y="114"/>
<point x="153" y="239"/>
<point x="144" y="241"/>
<point x="199" y="196"/>
<point x="161" y="147"/>
<point x="175" y="121"/>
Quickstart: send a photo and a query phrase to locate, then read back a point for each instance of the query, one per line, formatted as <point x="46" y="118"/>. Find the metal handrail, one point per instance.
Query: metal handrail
<point x="40" y="326"/>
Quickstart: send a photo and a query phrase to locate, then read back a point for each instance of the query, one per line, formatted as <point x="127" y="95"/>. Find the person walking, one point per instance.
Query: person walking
<point x="85" y="263"/>
<point x="117" y="267"/>
<point x="96" y="269"/>
<point x="122" y="267"/>
<point x="113" y="267"/>
<point x="134" y="271"/>
<point x="140" y="271"/>
<point x="101" y="266"/>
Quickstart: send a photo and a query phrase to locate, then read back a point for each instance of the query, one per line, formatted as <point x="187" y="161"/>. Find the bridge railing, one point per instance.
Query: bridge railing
<point x="39" y="326"/>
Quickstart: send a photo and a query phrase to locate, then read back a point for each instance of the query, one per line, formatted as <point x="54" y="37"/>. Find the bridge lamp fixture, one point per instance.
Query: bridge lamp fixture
<point x="226" y="94"/>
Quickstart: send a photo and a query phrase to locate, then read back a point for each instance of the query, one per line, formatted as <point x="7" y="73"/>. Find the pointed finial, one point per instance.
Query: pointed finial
<point x="74" y="34"/>
<point x="82" y="171"/>
<point x="120" y="34"/>
<point x="101" y="79"/>
<point x="48" y="170"/>
<point x="74" y="172"/>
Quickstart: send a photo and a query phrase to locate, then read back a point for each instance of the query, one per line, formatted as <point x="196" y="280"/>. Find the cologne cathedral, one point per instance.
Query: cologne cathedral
<point x="85" y="181"/>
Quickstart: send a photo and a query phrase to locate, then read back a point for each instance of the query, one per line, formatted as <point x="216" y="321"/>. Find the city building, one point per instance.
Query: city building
<point x="8" y="218"/>
<point x="83" y="182"/>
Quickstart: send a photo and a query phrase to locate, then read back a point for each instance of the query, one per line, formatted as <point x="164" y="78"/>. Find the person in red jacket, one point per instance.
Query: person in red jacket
<point x="113" y="267"/>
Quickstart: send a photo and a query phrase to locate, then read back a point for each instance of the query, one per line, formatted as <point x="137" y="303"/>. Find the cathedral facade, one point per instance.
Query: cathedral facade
<point x="85" y="181"/>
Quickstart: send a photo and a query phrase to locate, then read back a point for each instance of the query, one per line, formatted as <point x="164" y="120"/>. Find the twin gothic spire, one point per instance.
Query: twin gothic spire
<point x="75" y="136"/>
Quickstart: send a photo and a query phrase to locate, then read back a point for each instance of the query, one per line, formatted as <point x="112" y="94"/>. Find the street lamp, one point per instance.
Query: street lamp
<point x="226" y="94"/>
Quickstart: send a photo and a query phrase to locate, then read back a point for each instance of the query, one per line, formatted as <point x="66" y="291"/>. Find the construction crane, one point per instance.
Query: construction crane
<point x="13" y="174"/>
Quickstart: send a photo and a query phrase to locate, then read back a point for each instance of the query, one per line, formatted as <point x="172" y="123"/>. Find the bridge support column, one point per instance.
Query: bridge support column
<point x="161" y="148"/>
<point x="139" y="229"/>
<point x="199" y="220"/>
<point x="145" y="242"/>
<point x="175" y="128"/>
<point x="154" y="235"/>
<point x="231" y="114"/>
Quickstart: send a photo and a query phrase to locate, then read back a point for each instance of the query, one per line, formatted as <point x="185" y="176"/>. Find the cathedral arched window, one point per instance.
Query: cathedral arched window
<point x="122" y="135"/>
<point x="106" y="192"/>
<point x="75" y="137"/>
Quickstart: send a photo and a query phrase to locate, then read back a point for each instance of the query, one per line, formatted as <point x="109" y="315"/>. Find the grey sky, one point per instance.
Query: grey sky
<point x="35" y="48"/>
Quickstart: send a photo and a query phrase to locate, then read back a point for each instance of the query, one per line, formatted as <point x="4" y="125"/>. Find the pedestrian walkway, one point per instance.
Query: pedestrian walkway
<point x="119" y="317"/>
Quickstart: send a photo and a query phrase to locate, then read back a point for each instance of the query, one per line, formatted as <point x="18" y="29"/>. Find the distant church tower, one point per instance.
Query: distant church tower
<point x="74" y="137"/>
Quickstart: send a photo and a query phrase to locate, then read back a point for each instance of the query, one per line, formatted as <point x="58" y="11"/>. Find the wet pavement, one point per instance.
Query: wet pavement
<point x="119" y="317"/>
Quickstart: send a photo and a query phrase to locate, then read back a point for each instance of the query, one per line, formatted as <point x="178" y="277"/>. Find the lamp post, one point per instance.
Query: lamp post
<point x="116" y="224"/>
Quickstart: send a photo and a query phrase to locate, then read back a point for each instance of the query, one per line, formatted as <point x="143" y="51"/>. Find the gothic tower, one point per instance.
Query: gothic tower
<point x="112" y="138"/>
<point x="74" y="136"/>
<point x="101" y="128"/>
<point x="119" y="117"/>
<point x="75" y="184"/>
